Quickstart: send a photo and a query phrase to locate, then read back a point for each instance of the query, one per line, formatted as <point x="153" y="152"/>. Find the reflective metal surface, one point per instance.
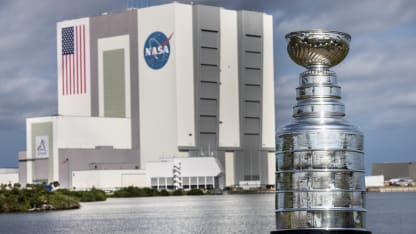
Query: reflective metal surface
<point x="320" y="158"/>
<point x="318" y="47"/>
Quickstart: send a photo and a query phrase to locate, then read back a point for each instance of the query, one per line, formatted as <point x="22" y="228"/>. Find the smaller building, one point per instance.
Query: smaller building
<point x="108" y="180"/>
<point x="169" y="173"/>
<point x="184" y="173"/>
<point x="395" y="170"/>
<point x="374" y="181"/>
<point x="9" y="176"/>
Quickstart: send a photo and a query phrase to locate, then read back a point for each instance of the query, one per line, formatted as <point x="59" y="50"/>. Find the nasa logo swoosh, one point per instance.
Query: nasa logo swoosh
<point x="157" y="50"/>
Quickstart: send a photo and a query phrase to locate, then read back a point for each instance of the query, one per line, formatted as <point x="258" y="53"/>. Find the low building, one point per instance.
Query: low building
<point x="9" y="176"/>
<point x="395" y="170"/>
<point x="374" y="181"/>
<point x="184" y="173"/>
<point x="170" y="173"/>
<point x="108" y="180"/>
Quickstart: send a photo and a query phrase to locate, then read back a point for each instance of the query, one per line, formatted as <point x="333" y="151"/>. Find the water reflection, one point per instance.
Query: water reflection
<point x="388" y="213"/>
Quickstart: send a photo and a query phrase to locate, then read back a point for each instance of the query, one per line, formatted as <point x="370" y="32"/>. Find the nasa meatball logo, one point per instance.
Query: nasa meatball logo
<point x="157" y="50"/>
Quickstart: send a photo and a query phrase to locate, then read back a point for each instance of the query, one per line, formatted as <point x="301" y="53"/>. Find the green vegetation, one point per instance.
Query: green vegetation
<point x="178" y="192"/>
<point x="195" y="192"/>
<point x="39" y="198"/>
<point x="132" y="191"/>
<point x="33" y="197"/>
<point x="84" y="196"/>
<point x="135" y="192"/>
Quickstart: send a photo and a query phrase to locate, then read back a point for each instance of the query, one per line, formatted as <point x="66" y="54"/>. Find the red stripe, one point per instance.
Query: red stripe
<point x="83" y="54"/>
<point x="73" y="73"/>
<point x="76" y="60"/>
<point x="66" y="75"/>
<point x="80" y="60"/>
<point x="70" y="73"/>
<point x="62" y="76"/>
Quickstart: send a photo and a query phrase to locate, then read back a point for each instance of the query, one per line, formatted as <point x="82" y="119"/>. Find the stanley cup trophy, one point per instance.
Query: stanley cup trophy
<point x="320" y="160"/>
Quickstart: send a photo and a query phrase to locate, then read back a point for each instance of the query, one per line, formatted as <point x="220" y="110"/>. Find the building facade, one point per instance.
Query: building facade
<point x="173" y="80"/>
<point x="395" y="170"/>
<point x="9" y="176"/>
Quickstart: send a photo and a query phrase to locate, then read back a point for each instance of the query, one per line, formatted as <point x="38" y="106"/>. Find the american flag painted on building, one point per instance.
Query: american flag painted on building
<point x="74" y="81"/>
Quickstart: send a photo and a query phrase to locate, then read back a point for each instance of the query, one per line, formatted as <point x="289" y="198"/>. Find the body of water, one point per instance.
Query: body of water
<point x="388" y="213"/>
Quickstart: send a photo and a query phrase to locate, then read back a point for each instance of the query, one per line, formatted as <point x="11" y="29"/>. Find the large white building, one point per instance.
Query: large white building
<point x="166" y="81"/>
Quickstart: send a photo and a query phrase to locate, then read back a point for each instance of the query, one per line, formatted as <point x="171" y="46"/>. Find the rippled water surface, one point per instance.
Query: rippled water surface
<point x="388" y="213"/>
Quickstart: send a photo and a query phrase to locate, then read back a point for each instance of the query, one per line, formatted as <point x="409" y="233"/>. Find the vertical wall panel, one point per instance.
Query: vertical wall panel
<point x="268" y="121"/>
<point x="229" y="169"/>
<point x="114" y="83"/>
<point x="271" y="162"/>
<point x="229" y="127"/>
<point x="250" y="33"/>
<point x="185" y="101"/>
<point x="207" y="54"/>
<point x="114" y="76"/>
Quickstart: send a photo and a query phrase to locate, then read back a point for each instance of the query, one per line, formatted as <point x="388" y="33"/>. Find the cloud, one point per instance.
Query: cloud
<point x="353" y="16"/>
<point x="28" y="55"/>
<point x="27" y="65"/>
<point x="25" y="97"/>
<point x="377" y="76"/>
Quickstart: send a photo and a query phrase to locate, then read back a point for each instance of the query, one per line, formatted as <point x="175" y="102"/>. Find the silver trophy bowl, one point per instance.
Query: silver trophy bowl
<point x="318" y="47"/>
<point x="319" y="156"/>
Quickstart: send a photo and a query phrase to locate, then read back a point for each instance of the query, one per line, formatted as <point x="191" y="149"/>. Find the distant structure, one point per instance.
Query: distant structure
<point x="170" y="81"/>
<point x="374" y="181"/>
<point x="9" y="176"/>
<point x="395" y="170"/>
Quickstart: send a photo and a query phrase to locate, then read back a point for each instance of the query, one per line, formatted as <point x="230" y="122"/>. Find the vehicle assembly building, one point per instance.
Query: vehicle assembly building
<point x="147" y="96"/>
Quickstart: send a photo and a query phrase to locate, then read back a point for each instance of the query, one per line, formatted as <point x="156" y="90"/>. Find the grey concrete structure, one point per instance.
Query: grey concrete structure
<point x="395" y="170"/>
<point x="252" y="161"/>
<point x="207" y="57"/>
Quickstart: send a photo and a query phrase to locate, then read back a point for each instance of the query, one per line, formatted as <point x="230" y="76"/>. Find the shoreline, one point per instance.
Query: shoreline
<point x="391" y="189"/>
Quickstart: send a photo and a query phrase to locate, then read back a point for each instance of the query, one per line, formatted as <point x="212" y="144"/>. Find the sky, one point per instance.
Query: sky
<point x="378" y="77"/>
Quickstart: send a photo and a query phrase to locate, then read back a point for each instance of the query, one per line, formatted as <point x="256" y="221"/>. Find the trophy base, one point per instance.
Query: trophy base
<point x="320" y="231"/>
